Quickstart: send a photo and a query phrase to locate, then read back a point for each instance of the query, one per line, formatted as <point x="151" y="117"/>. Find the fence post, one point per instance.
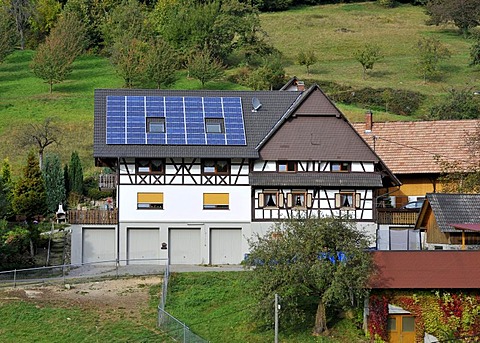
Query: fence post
<point x="14" y="278"/>
<point x="117" y="262"/>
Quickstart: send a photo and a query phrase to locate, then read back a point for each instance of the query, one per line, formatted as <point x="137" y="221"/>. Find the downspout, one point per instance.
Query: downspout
<point x="118" y="211"/>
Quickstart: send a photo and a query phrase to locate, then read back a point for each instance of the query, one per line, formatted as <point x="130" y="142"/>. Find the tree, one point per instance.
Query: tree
<point x="269" y="75"/>
<point x="54" y="182"/>
<point x="45" y="18"/>
<point x="475" y="52"/>
<point x="8" y="35"/>
<point x="128" y="55"/>
<point x="307" y="261"/>
<point x="368" y="56"/>
<point x="53" y="59"/>
<point x="307" y="59"/>
<point x="75" y="174"/>
<point x="40" y="135"/>
<point x="465" y="14"/>
<point x="128" y="18"/>
<point x="29" y="195"/>
<point x="458" y="104"/>
<point x="7" y="188"/>
<point x="161" y="63"/>
<point x="21" y="11"/>
<point x="204" y="67"/>
<point x="462" y="176"/>
<point x="430" y="52"/>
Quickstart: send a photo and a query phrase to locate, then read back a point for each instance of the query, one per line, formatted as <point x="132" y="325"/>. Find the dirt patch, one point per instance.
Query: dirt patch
<point x="127" y="297"/>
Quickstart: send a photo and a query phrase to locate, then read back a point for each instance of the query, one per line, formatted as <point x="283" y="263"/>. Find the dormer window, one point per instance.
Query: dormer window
<point x="214" y="125"/>
<point x="340" y="166"/>
<point x="286" y="166"/>
<point x="156" y="125"/>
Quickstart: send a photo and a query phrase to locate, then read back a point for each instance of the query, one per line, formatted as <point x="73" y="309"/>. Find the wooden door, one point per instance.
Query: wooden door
<point x="401" y="329"/>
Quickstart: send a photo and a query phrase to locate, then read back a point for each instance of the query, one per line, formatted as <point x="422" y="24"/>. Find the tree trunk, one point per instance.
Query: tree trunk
<point x="320" y="320"/>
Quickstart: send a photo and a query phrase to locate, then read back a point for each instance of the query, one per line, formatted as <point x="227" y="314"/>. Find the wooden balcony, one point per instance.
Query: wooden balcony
<point x="107" y="181"/>
<point x="396" y="216"/>
<point x="92" y="216"/>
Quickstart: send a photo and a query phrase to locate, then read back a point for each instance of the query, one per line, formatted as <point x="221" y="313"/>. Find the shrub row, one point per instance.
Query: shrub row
<point x="398" y="101"/>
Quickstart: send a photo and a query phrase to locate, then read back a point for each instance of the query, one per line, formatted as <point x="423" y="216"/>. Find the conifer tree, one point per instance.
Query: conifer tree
<point x="75" y="174"/>
<point x="29" y="196"/>
<point x="7" y="189"/>
<point x="54" y="182"/>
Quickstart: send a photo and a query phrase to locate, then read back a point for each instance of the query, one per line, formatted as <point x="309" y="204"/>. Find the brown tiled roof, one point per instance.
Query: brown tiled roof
<point x="432" y="269"/>
<point x="410" y="147"/>
<point x="324" y="179"/>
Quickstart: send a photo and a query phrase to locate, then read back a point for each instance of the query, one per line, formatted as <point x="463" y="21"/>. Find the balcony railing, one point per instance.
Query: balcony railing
<point x="396" y="216"/>
<point x="107" y="181"/>
<point x="92" y="216"/>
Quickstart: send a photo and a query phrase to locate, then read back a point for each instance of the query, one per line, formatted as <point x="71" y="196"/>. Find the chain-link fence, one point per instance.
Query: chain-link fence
<point x="107" y="270"/>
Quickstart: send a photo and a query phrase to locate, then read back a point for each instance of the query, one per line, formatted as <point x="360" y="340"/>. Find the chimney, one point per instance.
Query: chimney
<point x="300" y="86"/>
<point x="368" y="121"/>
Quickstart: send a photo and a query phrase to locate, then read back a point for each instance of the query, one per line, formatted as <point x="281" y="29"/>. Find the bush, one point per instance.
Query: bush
<point x="459" y="104"/>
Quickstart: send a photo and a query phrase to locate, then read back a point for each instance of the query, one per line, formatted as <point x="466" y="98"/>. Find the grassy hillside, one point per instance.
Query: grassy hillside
<point x="334" y="31"/>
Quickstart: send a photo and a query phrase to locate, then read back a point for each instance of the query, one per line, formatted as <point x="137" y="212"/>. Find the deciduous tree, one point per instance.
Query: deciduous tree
<point x="307" y="59"/>
<point x="309" y="261"/>
<point x="161" y="63"/>
<point x="430" y="51"/>
<point x="204" y="67"/>
<point x="53" y="59"/>
<point x="8" y="187"/>
<point x="40" y="135"/>
<point x="368" y="56"/>
<point x="21" y="10"/>
<point x="465" y="14"/>
<point x="129" y="55"/>
<point x="458" y="104"/>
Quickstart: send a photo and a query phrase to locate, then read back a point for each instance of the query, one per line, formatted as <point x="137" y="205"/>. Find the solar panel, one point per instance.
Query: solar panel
<point x="185" y="118"/>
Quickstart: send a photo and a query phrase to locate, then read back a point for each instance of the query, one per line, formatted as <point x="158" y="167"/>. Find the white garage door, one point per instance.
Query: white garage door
<point x="143" y="246"/>
<point x="98" y="245"/>
<point x="226" y="246"/>
<point x="184" y="246"/>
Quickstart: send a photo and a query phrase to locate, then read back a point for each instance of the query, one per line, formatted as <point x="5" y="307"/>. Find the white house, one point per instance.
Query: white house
<point x="200" y="172"/>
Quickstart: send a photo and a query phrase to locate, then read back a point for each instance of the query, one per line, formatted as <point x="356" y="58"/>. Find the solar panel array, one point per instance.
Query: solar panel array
<point x="184" y="120"/>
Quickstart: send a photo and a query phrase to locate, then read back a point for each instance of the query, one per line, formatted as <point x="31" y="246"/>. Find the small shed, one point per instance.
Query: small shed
<point x="450" y="221"/>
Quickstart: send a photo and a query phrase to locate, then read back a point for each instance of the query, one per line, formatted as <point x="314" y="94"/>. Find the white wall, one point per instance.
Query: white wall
<point x="185" y="203"/>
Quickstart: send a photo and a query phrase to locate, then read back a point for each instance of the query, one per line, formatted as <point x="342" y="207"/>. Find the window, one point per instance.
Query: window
<point x="214" y="125"/>
<point x="151" y="201"/>
<point x="286" y="166"/>
<point x="270" y="199"/>
<point x="347" y="200"/>
<point x="340" y="166"/>
<point x="215" y="201"/>
<point x="156" y="125"/>
<point x="215" y="167"/>
<point x="299" y="199"/>
<point x="145" y="166"/>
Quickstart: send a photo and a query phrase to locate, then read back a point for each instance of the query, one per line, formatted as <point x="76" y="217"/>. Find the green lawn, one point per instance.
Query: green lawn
<point x="218" y="307"/>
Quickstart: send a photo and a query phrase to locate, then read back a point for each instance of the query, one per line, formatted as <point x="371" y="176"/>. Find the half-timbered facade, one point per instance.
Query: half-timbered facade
<point x="201" y="172"/>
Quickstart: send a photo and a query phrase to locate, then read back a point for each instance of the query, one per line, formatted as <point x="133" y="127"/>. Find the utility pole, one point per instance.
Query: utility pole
<point x="277" y="307"/>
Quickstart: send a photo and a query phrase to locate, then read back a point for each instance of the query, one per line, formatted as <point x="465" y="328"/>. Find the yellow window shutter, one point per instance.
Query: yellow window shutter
<point x="337" y="200"/>
<point x="357" y="200"/>
<point x="289" y="200"/>
<point x="261" y="200"/>
<point x="150" y="198"/>
<point x="309" y="200"/>
<point x="281" y="200"/>
<point x="215" y="198"/>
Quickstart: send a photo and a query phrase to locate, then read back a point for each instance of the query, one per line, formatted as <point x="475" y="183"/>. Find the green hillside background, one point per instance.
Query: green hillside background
<point x="335" y="32"/>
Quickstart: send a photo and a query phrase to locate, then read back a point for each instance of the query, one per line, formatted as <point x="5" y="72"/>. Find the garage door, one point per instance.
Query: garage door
<point x="143" y="246"/>
<point x="226" y="246"/>
<point x="98" y="245"/>
<point x="184" y="246"/>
